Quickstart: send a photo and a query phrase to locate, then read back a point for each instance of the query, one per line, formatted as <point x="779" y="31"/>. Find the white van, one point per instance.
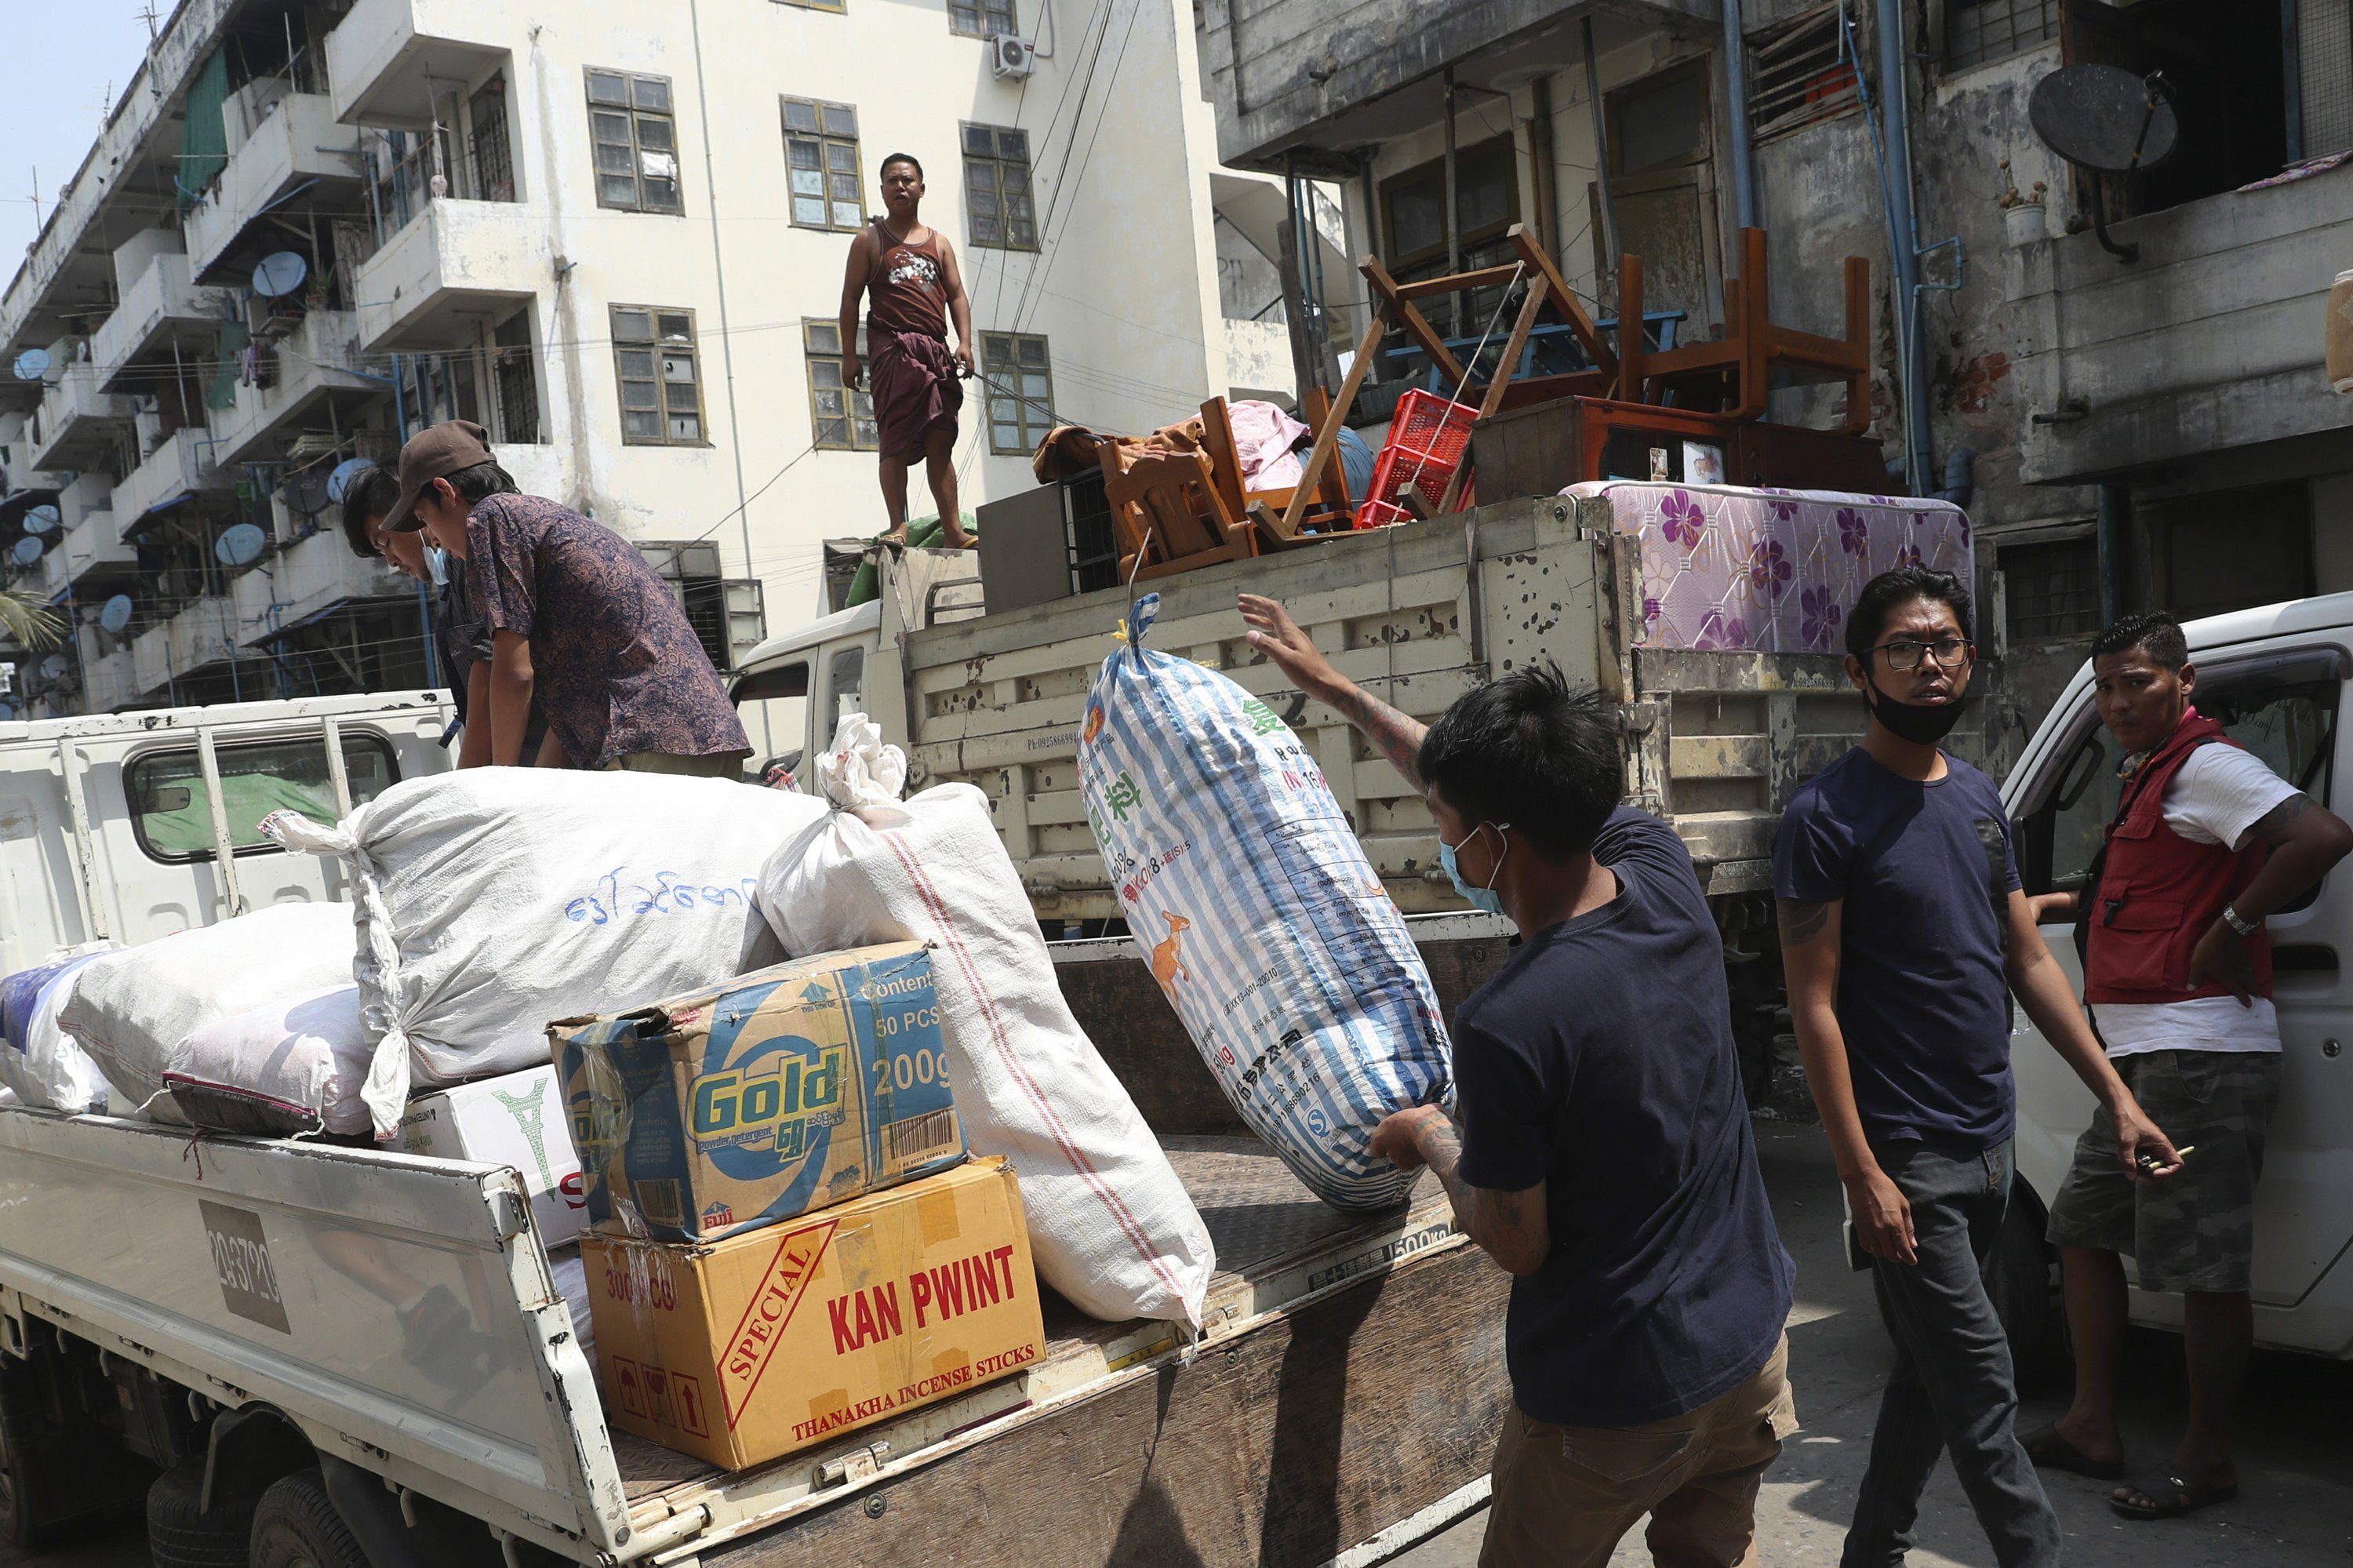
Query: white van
<point x="2275" y="677"/>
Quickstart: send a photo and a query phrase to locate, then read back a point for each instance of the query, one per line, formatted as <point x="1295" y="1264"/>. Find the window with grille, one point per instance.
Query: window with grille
<point x="842" y="416"/>
<point x="1795" y="74"/>
<point x="631" y="121"/>
<point x="494" y="152"/>
<point x="981" y="19"/>
<point x="822" y="161"/>
<point x="2053" y="589"/>
<point x="1020" y="391"/>
<point x="996" y="203"/>
<point x="816" y="4"/>
<point x="1977" y="32"/>
<point x="2323" y="55"/>
<point x="661" y="384"/>
<point x="516" y="376"/>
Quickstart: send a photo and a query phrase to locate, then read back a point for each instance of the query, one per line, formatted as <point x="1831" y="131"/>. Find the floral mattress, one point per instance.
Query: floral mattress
<point x="1772" y="570"/>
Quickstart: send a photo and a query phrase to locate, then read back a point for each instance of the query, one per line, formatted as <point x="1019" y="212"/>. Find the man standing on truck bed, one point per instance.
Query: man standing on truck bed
<point x="916" y="287"/>
<point x="577" y="617"/>
<point x="2177" y="971"/>
<point x="1901" y="922"/>
<point x="1600" y="1148"/>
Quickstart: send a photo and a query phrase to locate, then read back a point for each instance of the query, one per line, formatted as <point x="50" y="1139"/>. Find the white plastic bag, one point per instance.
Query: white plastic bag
<point x="129" y="1010"/>
<point x="278" y="1070"/>
<point x="1267" y="927"/>
<point x="37" y="1060"/>
<point x="1111" y="1225"/>
<point x="496" y="899"/>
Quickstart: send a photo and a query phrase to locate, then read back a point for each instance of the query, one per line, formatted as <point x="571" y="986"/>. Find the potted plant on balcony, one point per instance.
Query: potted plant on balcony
<point x="2022" y="214"/>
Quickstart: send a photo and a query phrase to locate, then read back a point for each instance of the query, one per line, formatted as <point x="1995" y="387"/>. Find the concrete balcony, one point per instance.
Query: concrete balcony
<point x="455" y="264"/>
<point x="89" y="494"/>
<point x="306" y="577"/>
<point x="77" y="422"/>
<point x="197" y="636"/>
<point x="299" y="145"/>
<point x="46" y="579"/>
<point x="183" y="464"/>
<point x="96" y="558"/>
<point x="162" y="309"/>
<point x="2212" y="340"/>
<point x="111" y="682"/>
<point x="306" y="379"/>
<point x="386" y="56"/>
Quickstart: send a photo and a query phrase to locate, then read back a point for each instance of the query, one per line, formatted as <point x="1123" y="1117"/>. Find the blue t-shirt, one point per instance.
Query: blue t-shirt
<point x="1600" y="1061"/>
<point x="1922" y="999"/>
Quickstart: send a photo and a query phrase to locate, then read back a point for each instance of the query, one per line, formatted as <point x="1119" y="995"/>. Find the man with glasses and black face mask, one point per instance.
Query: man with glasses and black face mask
<point x="1902" y="923"/>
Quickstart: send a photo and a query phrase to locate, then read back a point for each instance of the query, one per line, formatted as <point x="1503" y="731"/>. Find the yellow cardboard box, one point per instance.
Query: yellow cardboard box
<point x="741" y="1349"/>
<point x="775" y="1092"/>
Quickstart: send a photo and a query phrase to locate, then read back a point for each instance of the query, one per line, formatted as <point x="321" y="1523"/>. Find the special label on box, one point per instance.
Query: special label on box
<point x="776" y="1339"/>
<point x="786" y="1090"/>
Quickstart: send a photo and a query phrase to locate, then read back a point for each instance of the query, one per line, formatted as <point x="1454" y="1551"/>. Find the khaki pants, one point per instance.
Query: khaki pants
<point x="1564" y="1496"/>
<point x="718" y="764"/>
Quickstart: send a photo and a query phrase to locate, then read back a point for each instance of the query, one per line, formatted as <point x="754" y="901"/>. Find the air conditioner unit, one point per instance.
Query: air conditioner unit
<point x="1010" y="57"/>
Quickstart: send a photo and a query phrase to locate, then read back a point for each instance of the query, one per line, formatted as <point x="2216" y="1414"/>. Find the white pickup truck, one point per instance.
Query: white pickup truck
<point x="2276" y="677"/>
<point x="217" y="1323"/>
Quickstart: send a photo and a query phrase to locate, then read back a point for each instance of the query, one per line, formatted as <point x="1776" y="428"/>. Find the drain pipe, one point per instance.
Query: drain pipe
<point x="1735" y="91"/>
<point x="1904" y="239"/>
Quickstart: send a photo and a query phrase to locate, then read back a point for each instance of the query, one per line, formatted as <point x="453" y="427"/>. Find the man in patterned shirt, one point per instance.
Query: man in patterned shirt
<point x="576" y="619"/>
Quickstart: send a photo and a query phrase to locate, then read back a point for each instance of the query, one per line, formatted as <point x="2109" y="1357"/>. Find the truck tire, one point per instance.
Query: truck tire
<point x="2025" y="1295"/>
<point x="180" y="1534"/>
<point x="295" y="1525"/>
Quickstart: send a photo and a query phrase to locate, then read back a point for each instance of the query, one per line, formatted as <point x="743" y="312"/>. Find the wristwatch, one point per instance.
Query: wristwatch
<point x="2239" y="923"/>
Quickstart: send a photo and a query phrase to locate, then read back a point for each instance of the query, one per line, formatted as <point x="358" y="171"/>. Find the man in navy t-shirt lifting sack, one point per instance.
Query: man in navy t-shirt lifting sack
<point x="1901" y="924"/>
<point x="1599" y="1148"/>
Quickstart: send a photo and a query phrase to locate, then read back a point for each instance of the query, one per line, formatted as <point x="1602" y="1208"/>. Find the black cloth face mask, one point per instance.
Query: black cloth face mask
<point x="1921" y="723"/>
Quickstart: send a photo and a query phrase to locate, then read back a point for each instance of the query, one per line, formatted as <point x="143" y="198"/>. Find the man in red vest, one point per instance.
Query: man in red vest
<point x="2207" y="841"/>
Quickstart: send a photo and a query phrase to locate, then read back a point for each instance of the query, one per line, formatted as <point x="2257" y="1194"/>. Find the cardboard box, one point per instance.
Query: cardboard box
<point x="784" y="1090"/>
<point x="791" y="1335"/>
<point x="517" y="1119"/>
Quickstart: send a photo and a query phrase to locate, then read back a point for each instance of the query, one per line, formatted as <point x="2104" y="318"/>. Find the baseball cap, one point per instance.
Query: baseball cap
<point x="435" y="452"/>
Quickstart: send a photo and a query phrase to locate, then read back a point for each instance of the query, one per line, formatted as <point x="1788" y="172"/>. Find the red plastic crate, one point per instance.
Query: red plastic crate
<point x="1428" y="440"/>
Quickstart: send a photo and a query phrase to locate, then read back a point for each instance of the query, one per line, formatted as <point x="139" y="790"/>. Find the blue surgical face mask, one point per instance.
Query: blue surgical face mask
<point x="437" y="561"/>
<point x="1486" y="898"/>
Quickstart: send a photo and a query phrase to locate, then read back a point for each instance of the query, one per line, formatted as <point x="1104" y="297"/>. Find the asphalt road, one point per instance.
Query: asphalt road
<point x="2295" y="1507"/>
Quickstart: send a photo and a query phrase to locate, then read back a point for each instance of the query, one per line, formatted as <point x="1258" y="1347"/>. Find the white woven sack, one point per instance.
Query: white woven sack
<point x="494" y="900"/>
<point x="1267" y="929"/>
<point x="1111" y="1225"/>
<point x="36" y="1059"/>
<point x="131" y="1010"/>
<point x="287" y="1067"/>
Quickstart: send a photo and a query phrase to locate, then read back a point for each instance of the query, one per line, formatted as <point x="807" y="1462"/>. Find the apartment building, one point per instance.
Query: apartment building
<point x="2155" y="430"/>
<point x="615" y="235"/>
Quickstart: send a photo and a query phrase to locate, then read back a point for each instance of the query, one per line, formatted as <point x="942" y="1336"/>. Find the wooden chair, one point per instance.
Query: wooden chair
<point x="1169" y="512"/>
<point x="1751" y="345"/>
<point x="1328" y="509"/>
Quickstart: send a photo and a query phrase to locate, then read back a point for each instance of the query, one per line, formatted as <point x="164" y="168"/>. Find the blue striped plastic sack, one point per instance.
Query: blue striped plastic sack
<point x="1266" y="927"/>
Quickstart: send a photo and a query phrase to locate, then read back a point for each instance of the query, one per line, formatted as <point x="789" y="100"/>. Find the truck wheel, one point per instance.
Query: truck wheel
<point x="295" y="1525"/>
<point x="2026" y="1296"/>
<point x="181" y="1535"/>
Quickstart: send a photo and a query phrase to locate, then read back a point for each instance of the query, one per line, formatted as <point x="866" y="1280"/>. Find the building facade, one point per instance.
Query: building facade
<point x="615" y="235"/>
<point x="2156" y="432"/>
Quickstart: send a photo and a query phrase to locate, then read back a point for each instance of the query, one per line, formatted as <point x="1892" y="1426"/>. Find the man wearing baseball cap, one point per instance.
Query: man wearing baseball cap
<point x="577" y="617"/>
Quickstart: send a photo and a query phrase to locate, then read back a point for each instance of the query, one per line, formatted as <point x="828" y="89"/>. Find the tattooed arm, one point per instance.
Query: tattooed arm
<point x="1512" y="1228"/>
<point x="2307" y="838"/>
<point x="1393" y="734"/>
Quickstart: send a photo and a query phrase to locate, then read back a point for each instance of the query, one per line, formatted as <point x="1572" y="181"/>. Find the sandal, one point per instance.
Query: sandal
<point x="2171" y="1494"/>
<point x="2050" y="1450"/>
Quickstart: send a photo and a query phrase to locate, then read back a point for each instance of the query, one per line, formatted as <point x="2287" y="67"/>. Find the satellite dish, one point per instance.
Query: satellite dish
<point x="2106" y="121"/>
<point x="41" y="519"/>
<point x="279" y="273"/>
<point x="115" y="614"/>
<point x="340" y="481"/>
<point x="32" y="364"/>
<point x="307" y="493"/>
<point x="240" y="545"/>
<point x="55" y="665"/>
<point x="26" y="552"/>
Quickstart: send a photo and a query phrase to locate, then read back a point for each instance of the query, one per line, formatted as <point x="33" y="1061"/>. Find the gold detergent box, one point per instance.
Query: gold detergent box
<point x="770" y="1341"/>
<point x="781" y="1091"/>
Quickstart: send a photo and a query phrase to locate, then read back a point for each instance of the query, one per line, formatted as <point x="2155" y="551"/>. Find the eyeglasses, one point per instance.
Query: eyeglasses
<point x="1904" y="654"/>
